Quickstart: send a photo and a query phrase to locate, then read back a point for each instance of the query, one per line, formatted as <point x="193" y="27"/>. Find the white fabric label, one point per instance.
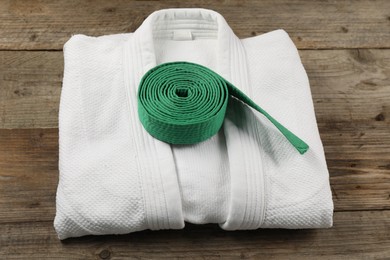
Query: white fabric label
<point x="182" y="35"/>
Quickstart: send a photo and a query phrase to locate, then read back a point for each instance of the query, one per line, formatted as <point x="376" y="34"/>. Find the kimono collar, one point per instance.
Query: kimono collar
<point x="162" y="24"/>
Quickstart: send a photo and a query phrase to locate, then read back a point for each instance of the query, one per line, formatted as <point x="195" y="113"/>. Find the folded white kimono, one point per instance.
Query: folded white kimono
<point x="115" y="178"/>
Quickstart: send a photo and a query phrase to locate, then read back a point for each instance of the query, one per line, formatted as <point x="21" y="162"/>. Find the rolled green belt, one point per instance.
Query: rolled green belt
<point x="185" y="103"/>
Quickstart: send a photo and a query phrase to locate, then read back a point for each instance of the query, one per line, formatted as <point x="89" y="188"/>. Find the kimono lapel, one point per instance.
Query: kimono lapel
<point x="160" y="184"/>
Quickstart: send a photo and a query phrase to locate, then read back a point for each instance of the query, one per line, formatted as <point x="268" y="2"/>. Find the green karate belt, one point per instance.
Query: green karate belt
<point x="185" y="103"/>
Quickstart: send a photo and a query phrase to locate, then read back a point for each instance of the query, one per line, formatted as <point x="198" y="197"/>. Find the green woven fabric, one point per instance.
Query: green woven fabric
<point x="185" y="103"/>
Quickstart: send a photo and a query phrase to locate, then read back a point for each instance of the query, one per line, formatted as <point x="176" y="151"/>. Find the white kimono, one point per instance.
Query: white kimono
<point x="115" y="178"/>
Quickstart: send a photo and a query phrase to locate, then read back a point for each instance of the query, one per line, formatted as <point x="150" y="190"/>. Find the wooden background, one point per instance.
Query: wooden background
<point x="345" y="48"/>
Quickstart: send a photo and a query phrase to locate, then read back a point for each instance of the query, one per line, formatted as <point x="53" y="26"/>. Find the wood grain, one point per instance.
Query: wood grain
<point x="30" y="87"/>
<point x="46" y="25"/>
<point x="356" y="235"/>
<point x="28" y="174"/>
<point x="29" y="177"/>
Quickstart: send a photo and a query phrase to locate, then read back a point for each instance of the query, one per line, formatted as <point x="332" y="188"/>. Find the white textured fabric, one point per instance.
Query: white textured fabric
<point x="115" y="178"/>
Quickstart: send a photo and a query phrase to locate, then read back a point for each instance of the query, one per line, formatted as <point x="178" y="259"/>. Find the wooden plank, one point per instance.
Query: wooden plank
<point x="355" y="235"/>
<point x="46" y="25"/>
<point x="351" y="90"/>
<point x="29" y="176"/>
<point x="30" y="87"/>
